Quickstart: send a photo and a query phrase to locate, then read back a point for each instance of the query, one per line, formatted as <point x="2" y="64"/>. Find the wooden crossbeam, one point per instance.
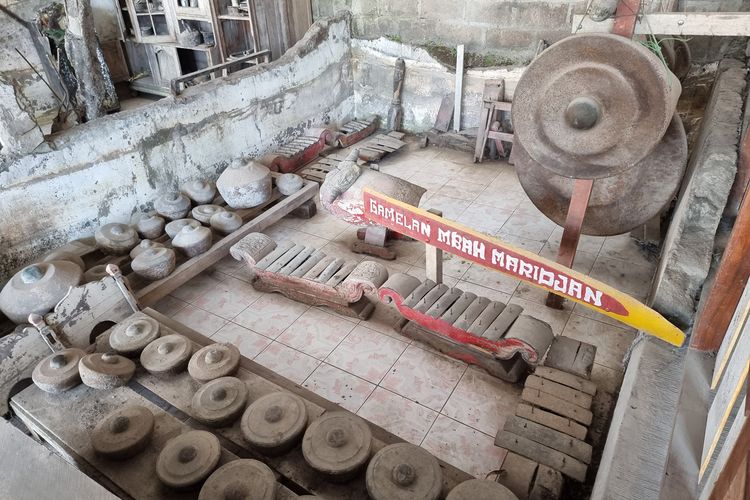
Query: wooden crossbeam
<point x="675" y="24"/>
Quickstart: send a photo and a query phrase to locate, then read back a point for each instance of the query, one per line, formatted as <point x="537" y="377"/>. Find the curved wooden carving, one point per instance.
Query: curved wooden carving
<point x="467" y="319"/>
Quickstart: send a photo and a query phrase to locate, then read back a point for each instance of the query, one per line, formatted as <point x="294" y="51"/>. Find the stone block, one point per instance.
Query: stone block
<point x="322" y="8"/>
<point x="364" y="7"/>
<point x="689" y="244"/>
<point x="455" y="33"/>
<point x="339" y="5"/>
<point x="548" y="484"/>
<point x="305" y="211"/>
<point x="505" y="39"/>
<point x="541" y="15"/>
<point x="519" y="14"/>
<point x="365" y="26"/>
<point x="397" y="8"/>
<point x="442" y="10"/>
<point x="517" y="474"/>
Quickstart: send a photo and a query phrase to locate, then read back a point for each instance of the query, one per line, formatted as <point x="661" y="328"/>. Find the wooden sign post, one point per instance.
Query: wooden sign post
<point x="494" y="254"/>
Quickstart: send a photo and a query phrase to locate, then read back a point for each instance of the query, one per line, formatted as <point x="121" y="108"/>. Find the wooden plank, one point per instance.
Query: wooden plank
<point x="459" y="88"/>
<point x="445" y="114"/>
<point x="501" y="105"/>
<point x="568" y="379"/>
<point x="675" y="24"/>
<point x="378" y="147"/>
<point x="517" y="474"/>
<point x="729" y="460"/>
<point x="300" y="19"/>
<point x="486" y="318"/>
<point x="728" y="393"/>
<point x="503" y="322"/>
<point x="274" y="255"/>
<point x="739" y="319"/>
<point x="571" y="356"/>
<point x="370" y="154"/>
<point x="503" y="136"/>
<point x="577" y="397"/>
<point x="548" y="484"/>
<point x="556" y="440"/>
<point x="388" y="141"/>
<point x="22" y="456"/>
<point x="284" y="259"/>
<point x="390" y="146"/>
<point x="482" y="130"/>
<point x="556" y="405"/>
<point x="159" y="289"/>
<point x="396" y="134"/>
<point x="297" y="261"/>
<point x="562" y="424"/>
<point x="543" y="454"/>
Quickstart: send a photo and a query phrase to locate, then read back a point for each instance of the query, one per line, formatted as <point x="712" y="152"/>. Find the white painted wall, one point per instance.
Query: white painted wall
<point x="425" y="83"/>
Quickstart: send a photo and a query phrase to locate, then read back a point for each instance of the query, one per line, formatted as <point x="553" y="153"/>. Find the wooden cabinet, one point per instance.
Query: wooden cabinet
<point x="153" y="66"/>
<point x="193" y="9"/>
<point x="147" y="21"/>
<point x="157" y="50"/>
<point x="235" y="28"/>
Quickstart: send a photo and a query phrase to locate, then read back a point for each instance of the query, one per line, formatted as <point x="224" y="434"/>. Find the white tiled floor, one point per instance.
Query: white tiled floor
<point x="365" y="366"/>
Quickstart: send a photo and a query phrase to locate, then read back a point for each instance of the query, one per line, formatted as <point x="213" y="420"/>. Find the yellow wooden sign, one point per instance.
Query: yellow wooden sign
<point x="492" y="253"/>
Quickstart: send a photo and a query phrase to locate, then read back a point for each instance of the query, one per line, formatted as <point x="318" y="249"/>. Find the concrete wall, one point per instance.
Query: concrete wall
<point x="31" y="92"/>
<point x="509" y="28"/>
<point x="110" y="169"/>
<point x="425" y="83"/>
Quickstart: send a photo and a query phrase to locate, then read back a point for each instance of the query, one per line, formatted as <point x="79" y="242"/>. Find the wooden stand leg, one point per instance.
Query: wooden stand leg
<point x="434" y="258"/>
<point x="572" y="231"/>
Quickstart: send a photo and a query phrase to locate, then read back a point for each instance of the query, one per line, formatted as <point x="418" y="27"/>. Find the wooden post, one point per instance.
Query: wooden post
<point x="715" y="313"/>
<point x="579" y="201"/>
<point x="434" y="258"/>
<point x="732" y="468"/>
<point x="459" y="88"/>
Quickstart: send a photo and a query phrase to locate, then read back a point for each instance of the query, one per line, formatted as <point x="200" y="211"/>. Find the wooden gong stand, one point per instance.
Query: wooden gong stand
<point x="625" y="18"/>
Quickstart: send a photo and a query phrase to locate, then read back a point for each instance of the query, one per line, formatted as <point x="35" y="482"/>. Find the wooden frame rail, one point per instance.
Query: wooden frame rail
<point x="177" y="84"/>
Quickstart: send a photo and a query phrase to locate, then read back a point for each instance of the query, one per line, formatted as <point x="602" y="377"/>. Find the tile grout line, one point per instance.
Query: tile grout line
<point x="437" y="414"/>
<point x="466" y="368"/>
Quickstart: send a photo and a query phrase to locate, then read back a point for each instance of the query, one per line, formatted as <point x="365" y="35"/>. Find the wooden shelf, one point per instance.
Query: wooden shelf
<point x="229" y="17"/>
<point x="202" y="46"/>
<point x="193" y="17"/>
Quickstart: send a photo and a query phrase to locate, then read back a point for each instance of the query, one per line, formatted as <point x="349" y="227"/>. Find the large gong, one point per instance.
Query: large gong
<point x="593" y="105"/>
<point x="601" y="107"/>
<point x="618" y="203"/>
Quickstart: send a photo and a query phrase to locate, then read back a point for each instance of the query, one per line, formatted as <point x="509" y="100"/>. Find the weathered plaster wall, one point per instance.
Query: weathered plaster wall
<point x="425" y="83"/>
<point x="503" y="27"/>
<point x="32" y="94"/>
<point x="109" y="169"/>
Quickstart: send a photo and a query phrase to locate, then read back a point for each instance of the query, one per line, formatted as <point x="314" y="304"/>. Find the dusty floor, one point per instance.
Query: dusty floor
<point x="451" y="409"/>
